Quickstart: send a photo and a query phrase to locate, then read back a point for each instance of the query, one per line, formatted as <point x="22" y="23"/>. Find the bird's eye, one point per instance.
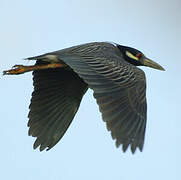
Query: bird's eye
<point x="139" y="55"/>
<point x="130" y="55"/>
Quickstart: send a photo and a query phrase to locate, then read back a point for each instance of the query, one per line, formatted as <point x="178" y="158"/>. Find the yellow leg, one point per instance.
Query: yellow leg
<point x="20" y="69"/>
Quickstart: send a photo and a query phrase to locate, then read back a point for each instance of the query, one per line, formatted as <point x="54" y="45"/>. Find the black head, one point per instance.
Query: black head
<point x="137" y="58"/>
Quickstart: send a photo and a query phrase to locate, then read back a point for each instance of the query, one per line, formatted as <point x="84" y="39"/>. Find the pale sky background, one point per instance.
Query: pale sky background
<point x="29" y="28"/>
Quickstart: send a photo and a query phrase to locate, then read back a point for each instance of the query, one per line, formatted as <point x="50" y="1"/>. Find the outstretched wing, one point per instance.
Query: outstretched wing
<point x="119" y="88"/>
<point x="55" y="101"/>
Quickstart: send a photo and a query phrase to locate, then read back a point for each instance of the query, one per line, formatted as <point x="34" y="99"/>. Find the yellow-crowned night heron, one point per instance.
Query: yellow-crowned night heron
<point x="61" y="78"/>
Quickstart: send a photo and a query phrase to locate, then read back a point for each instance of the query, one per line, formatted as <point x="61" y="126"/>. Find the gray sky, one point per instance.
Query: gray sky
<point x="31" y="28"/>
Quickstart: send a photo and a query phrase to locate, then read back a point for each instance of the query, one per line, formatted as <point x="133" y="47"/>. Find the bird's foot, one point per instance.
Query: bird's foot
<point x="16" y="69"/>
<point x="20" y="69"/>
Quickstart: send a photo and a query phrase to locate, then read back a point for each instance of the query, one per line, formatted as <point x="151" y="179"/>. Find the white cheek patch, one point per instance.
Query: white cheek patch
<point x="131" y="56"/>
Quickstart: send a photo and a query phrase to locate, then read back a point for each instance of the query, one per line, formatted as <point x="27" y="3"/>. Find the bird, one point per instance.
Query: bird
<point x="61" y="78"/>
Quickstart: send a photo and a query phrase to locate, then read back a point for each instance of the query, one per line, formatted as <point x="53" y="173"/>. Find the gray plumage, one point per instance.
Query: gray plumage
<point x="119" y="89"/>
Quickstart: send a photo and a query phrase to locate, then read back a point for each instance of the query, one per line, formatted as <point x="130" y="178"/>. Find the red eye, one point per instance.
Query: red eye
<point x="139" y="55"/>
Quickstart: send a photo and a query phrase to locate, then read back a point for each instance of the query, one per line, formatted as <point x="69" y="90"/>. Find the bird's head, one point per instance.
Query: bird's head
<point x="137" y="58"/>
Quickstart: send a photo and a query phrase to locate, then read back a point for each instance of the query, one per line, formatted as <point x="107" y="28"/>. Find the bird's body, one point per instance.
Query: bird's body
<point x="110" y="71"/>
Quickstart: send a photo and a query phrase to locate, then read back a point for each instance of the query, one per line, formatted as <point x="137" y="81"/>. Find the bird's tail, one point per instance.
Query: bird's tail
<point x="52" y="58"/>
<point x="36" y="57"/>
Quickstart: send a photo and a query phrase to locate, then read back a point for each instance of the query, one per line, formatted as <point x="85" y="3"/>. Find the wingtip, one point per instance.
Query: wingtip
<point x="42" y="147"/>
<point x="36" y="144"/>
<point x="126" y="146"/>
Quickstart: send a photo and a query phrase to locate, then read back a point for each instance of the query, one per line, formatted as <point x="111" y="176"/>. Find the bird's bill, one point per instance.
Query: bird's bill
<point x="152" y="64"/>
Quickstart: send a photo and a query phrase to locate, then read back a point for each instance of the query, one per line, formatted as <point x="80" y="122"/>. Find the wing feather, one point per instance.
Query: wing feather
<point x="55" y="101"/>
<point x="119" y="88"/>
